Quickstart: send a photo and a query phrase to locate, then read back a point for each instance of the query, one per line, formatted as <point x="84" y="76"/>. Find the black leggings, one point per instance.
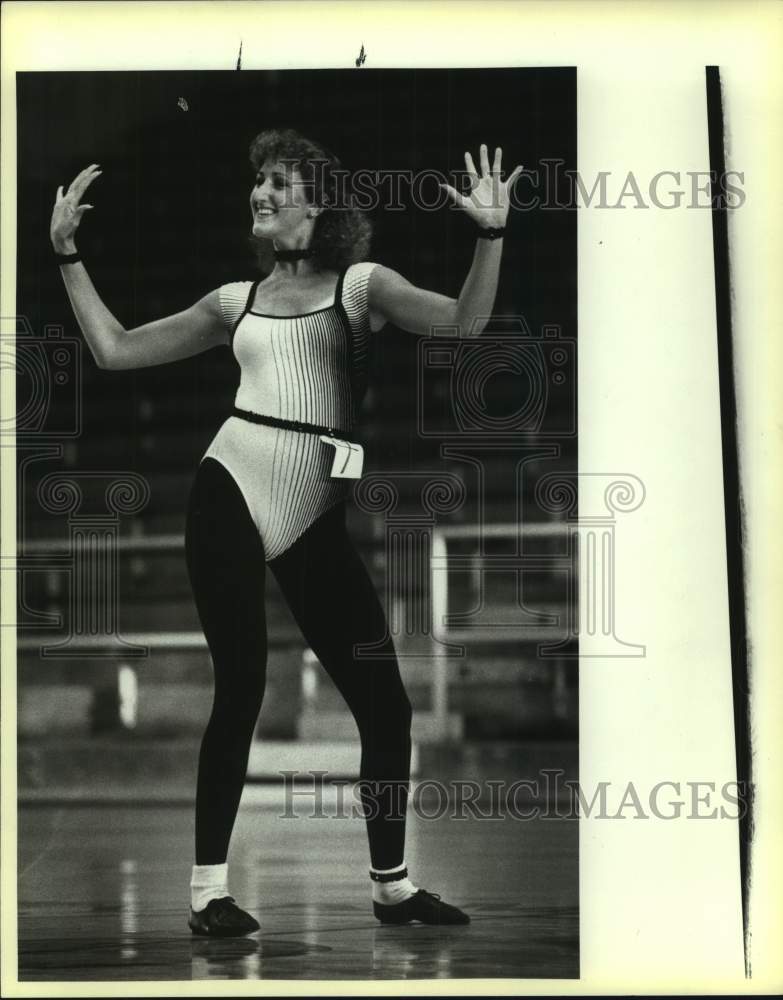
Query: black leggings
<point x="334" y="602"/>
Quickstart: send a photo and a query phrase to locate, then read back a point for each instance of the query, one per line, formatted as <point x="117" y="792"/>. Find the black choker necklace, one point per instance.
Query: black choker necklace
<point x="294" y="254"/>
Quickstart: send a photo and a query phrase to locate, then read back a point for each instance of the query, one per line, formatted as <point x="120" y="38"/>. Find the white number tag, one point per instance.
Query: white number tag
<point x="348" y="458"/>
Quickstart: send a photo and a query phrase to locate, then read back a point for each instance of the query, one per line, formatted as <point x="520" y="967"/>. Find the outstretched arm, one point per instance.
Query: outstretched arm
<point x="180" y="335"/>
<point x="395" y="300"/>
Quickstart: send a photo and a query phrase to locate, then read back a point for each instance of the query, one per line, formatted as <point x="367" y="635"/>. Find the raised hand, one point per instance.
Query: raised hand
<point x="67" y="212"/>
<point x="488" y="201"/>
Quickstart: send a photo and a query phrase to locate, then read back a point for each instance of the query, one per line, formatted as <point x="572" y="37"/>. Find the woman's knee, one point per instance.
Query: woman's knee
<point x="388" y="721"/>
<point x="237" y="710"/>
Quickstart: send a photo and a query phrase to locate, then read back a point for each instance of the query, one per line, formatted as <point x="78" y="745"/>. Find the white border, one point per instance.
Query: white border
<point x="659" y="901"/>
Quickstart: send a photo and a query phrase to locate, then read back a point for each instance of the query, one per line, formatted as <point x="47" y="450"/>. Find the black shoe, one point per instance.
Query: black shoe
<point x="424" y="906"/>
<point x="222" y="918"/>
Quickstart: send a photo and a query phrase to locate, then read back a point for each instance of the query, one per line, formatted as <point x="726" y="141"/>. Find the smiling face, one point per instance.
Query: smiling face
<point x="279" y="205"/>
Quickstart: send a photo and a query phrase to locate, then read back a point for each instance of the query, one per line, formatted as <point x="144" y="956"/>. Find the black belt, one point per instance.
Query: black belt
<point x="291" y="425"/>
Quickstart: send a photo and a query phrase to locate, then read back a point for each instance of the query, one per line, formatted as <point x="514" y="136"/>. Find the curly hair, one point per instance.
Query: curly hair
<point x="342" y="233"/>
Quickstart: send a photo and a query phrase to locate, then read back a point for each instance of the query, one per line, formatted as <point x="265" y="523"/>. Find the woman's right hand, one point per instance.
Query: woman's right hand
<point x="67" y="212"/>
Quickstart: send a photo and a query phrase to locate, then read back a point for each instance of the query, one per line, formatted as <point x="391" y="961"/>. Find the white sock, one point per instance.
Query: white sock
<point x="208" y="882"/>
<point x="396" y="891"/>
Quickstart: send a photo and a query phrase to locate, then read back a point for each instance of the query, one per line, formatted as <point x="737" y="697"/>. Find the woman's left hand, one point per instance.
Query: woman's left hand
<point x="488" y="201"/>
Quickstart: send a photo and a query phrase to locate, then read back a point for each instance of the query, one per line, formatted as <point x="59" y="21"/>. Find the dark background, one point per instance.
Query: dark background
<point x="171" y="216"/>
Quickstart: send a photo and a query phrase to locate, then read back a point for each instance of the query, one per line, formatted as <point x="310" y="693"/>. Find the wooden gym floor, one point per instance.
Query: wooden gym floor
<point x="103" y="896"/>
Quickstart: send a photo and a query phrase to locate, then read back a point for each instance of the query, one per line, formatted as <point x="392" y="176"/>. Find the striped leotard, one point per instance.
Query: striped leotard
<point x="309" y="368"/>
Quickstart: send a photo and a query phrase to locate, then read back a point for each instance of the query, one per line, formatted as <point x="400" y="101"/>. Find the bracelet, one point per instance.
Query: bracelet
<point x="490" y="233"/>
<point x="67" y="258"/>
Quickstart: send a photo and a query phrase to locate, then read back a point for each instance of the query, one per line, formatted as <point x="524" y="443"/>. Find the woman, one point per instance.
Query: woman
<point x="270" y="489"/>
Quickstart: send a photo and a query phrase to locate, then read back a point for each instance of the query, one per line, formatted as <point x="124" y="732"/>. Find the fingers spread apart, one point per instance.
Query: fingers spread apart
<point x="82" y="181"/>
<point x="484" y="162"/>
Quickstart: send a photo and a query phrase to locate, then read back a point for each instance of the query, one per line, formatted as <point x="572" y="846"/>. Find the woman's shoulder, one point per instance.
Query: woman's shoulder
<point x="235" y="290"/>
<point x="361" y="268"/>
<point x="357" y="276"/>
<point x="234" y="297"/>
<point x="235" y="287"/>
<point x="356" y="294"/>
